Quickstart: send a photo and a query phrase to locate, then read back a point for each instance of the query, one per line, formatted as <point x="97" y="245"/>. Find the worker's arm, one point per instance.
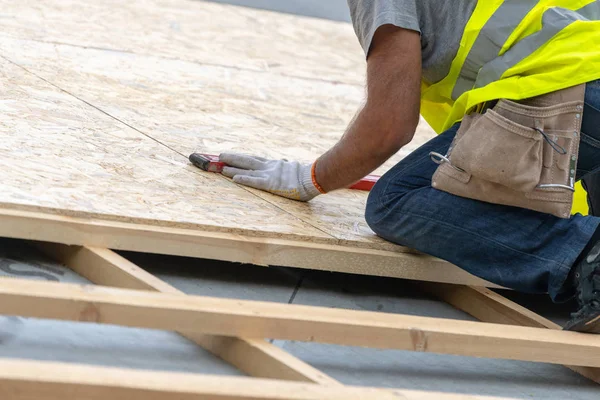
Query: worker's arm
<point x="387" y="122"/>
<point x="390" y="116"/>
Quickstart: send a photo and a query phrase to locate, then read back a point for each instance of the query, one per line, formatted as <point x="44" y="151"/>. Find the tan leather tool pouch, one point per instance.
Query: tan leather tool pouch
<point x="521" y="154"/>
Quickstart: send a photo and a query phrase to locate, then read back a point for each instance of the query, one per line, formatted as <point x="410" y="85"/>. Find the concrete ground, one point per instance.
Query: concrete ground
<point x="152" y="349"/>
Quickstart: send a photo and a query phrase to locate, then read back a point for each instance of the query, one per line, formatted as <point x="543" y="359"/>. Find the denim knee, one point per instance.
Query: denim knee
<point x="389" y="195"/>
<point x="376" y="209"/>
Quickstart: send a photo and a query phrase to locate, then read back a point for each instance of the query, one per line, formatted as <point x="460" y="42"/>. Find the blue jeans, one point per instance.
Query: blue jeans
<point x="517" y="248"/>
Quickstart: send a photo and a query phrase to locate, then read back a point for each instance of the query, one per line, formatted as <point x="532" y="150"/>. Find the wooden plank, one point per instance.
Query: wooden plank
<point x="228" y="247"/>
<point x="486" y="305"/>
<point x="105" y="267"/>
<point x="255" y="357"/>
<point x="279" y="117"/>
<point x="108" y="170"/>
<point x="270" y="115"/>
<point x="489" y="306"/>
<point x="120" y="173"/>
<point x="26" y="380"/>
<point x="294" y="322"/>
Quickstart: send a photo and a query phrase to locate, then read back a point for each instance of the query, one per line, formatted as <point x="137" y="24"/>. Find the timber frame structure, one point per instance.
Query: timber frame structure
<point x="234" y="330"/>
<point x="101" y="103"/>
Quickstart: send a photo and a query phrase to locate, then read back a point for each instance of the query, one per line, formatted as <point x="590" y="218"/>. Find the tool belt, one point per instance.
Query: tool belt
<point x="521" y="154"/>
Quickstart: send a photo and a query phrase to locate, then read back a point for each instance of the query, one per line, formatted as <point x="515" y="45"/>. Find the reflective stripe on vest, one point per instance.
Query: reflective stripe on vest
<point x="492" y="37"/>
<point x="517" y="49"/>
<point x="553" y="21"/>
<point x="489" y="49"/>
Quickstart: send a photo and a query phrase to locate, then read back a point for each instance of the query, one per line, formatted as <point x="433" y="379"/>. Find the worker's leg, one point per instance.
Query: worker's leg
<point x="513" y="247"/>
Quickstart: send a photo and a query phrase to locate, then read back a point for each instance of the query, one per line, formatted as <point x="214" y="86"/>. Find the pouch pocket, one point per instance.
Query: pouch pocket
<point x="499" y="150"/>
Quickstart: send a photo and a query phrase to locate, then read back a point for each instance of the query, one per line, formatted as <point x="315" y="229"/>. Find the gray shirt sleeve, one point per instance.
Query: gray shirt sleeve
<point x="368" y="15"/>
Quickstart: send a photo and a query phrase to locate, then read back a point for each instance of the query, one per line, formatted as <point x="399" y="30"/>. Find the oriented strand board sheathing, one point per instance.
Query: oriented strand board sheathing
<point x="188" y="88"/>
<point x="58" y="153"/>
<point x="62" y="156"/>
<point x="191" y="107"/>
<point x="206" y="108"/>
<point x="204" y="32"/>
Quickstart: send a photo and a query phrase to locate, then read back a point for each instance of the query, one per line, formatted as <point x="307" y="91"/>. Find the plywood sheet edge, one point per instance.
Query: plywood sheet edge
<point x="229" y="247"/>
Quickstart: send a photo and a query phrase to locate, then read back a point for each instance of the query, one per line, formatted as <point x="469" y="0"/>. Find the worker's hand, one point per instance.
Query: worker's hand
<point x="284" y="178"/>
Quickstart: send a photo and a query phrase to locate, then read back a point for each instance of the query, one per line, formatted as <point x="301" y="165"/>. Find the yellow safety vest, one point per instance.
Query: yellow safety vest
<point x="516" y="49"/>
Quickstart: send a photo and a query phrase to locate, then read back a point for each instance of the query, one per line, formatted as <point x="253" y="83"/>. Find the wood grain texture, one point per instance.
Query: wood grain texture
<point x="209" y="109"/>
<point x="255" y="357"/>
<point x="60" y="155"/>
<point x="489" y="306"/>
<point x="111" y="167"/>
<point x="228" y="247"/>
<point x="486" y="305"/>
<point x="207" y="106"/>
<point x="204" y="108"/>
<point x="294" y="322"/>
<point x="25" y="380"/>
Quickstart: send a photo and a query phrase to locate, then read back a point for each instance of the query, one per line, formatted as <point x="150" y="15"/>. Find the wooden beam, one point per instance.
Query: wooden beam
<point x="489" y="306"/>
<point x="25" y="380"/>
<point x="256" y="357"/>
<point x="486" y="305"/>
<point x="230" y="247"/>
<point x="255" y="319"/>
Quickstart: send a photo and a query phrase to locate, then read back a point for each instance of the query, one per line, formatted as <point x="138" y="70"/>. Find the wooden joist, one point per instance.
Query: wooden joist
<point x="489" y="306"/>
<point x="229" y="317"/>
<point x="24" y="380"/>
<point x="230" y="247"/>
<point x="256" y="357"/>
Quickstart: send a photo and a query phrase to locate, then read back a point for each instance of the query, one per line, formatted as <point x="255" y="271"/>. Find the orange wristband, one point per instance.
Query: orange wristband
<point x="314" y="178"/>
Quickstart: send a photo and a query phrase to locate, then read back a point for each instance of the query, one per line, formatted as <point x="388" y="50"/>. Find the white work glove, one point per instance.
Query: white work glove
<point x="284" y="178"/>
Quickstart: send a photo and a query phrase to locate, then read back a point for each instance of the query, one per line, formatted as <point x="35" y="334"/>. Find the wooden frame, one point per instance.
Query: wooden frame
<point x="137" y="305"/>
<point x="256" y="357"/>
<point x="488" y="306"/>
<point x="232" y="317"/>
<point x="57" y="381"/>
<point x="230" y="247"/>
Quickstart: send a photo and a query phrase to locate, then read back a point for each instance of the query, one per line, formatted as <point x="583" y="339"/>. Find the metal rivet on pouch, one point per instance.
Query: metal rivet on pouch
<point x="574" y="158"/>
<point x="577" y="116"/>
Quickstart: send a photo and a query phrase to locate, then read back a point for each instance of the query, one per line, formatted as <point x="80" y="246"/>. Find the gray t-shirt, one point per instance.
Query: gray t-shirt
<point x="440" y="22"/>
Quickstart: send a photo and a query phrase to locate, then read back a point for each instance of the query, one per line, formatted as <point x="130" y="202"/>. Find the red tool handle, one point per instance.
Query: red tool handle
<point x="366" y="183"/>
<point x="214" y="165"/>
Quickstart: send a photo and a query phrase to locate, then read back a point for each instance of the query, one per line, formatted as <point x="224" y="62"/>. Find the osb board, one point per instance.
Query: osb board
<point x="191" y="107"/>
<point x="199" y="31"/>
<point x="247" y="80"/>
<point x="60" y="155"/>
